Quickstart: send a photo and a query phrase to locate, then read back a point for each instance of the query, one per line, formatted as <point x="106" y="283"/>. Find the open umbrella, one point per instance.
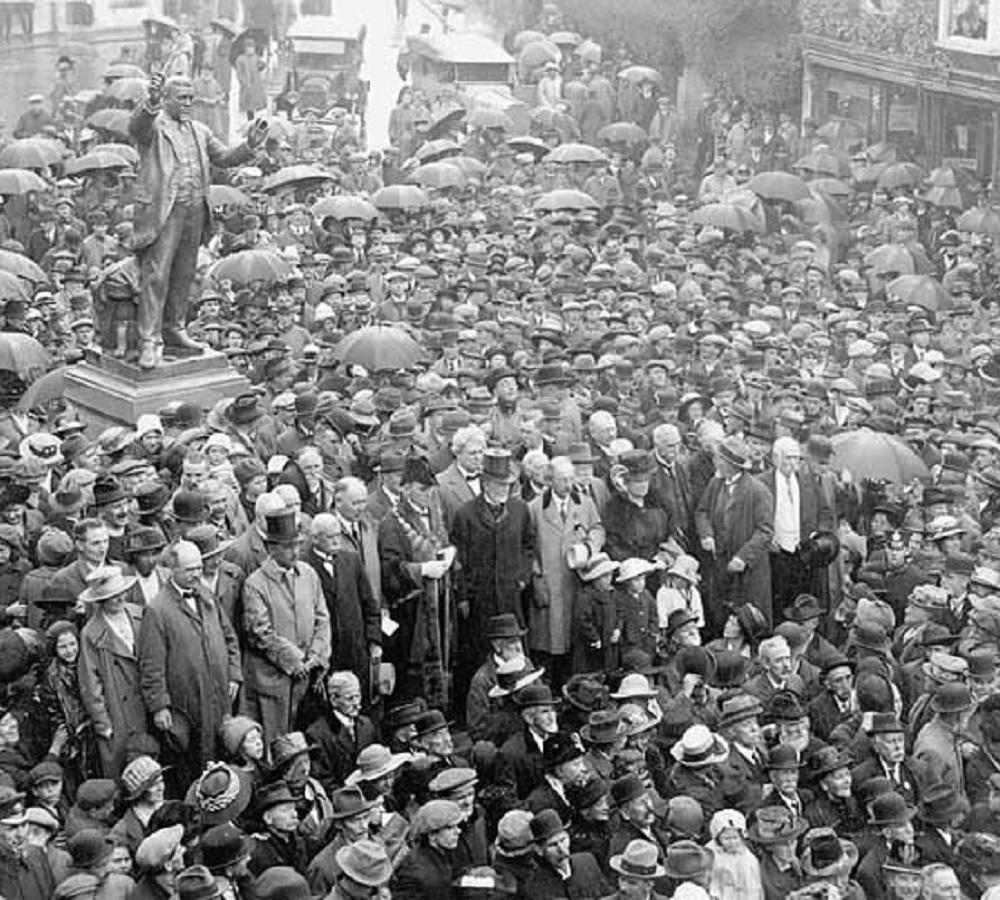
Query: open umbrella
<point x="123" y="70"/>
<point x="295" y="175"/>
<point x="814" y="211"/>
<point x="980" y="220"/>
<point x="638" y="74"/>
<point x="547" y="119"/>
<point x="892" y="258"/>
<point x="944" y="197"/>
<point x="439" y="175"/>
<point x="432" y="151"/>
<point x="226" y="195"/>
<point x="575" y="153"/>
<point x="125" y="151"/>
<point x="565" y="38"/>
<point x="538" y="53"/>
<point x="470" y="166"/>
<point x="251" y="265"/>
<point x="900" y="175"/>
<point x="487" y="117"/>
<point x="779" y="186"/>
<point x="14" y="182"/>
<point x="22" y="355"/>
<point x="882" y="152"/>
<point x="920" y="290"/>
<point x="400" y="196"/>
<point x="622" y="133"/>
<point x="832" y="187"/>
<point x="523" y="38"/>
<point x="260" y="38"/>
<point x="565" y="199"/>
<point x="589" y="51"/>
<point x="127" y="90"/>
<point x="157" y="20"/>
<point x="729" y="216"/>
<point x="12" y="287"/>
<point x="50" y="386"/>
<point x="526" y="144"/>
<point x="100" y="161"/>
<point x="113" y="121"/>
<point x="877" y="455"/>
<point x="21" y="266"/>
<point x="30" y="153"/>
<point x="379" y="348"/>
<point x="445" y="122"/>
<point x="823" y="162"/>
<point x="344" y="206"/>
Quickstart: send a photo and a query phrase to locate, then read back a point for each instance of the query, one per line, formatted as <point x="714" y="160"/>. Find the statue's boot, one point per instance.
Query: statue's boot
<point x="178" y="337"/>
<point x="147" y="354"/>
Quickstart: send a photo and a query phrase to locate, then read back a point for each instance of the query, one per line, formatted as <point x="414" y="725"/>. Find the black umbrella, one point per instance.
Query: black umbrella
<point x="258" y="35"/>
<point x="445" y="124"/>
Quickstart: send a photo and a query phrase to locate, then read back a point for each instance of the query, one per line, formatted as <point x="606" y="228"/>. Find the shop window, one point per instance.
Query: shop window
<point x="970" y="26"/>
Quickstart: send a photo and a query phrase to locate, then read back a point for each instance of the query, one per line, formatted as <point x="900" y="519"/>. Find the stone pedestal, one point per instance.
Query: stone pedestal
<point x="110" y="392"/>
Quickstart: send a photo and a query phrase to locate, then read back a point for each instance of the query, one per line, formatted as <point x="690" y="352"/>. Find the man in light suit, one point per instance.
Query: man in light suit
<point x="800" y="509"/>
<point x="171" y="207"/>
<point x="358" y="532"/>
<point x="459" y="483"/>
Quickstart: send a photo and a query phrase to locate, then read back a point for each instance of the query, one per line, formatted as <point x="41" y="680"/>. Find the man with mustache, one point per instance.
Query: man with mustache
<point x="171" y="207"/>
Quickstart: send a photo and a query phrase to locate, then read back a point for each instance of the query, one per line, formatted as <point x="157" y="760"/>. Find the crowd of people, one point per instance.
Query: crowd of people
<point x="648" y="549"/>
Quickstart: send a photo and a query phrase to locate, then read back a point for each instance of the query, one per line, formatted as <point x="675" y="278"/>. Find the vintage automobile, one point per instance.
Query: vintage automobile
<point x="327" y="52"/>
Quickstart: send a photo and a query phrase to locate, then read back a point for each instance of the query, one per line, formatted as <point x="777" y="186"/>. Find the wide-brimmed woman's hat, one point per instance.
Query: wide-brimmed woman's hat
<point x="634" y="568"/>
<point x="375" y="762"/>
<point x="599" y="564"/>
<point x="685" y="567"/>
<point x="106" y="582"/>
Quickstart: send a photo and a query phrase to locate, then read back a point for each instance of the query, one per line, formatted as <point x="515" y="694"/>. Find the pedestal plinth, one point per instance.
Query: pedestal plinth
<point x="110" y="392"/>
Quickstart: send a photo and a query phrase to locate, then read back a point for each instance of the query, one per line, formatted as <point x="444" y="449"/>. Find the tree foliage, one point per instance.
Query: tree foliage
<point x="746" y="46"/>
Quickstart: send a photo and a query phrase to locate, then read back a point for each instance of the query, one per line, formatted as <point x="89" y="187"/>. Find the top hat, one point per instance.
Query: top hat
<point x="497" y="466"/>
<point x="281" y="527"/>
<point x="953" y="697"/>
<point x="730" y="669"/>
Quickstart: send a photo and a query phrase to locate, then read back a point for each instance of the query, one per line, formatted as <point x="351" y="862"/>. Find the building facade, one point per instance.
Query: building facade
<point x="924" y="74"/>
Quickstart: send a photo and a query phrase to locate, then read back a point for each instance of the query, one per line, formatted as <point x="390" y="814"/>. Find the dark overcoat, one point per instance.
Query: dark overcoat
<point x="741" y="521"/>
<point x="187" y="661"/>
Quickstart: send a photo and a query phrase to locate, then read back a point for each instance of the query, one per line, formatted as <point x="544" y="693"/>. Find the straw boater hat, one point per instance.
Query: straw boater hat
<point x="699" y="747"/>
